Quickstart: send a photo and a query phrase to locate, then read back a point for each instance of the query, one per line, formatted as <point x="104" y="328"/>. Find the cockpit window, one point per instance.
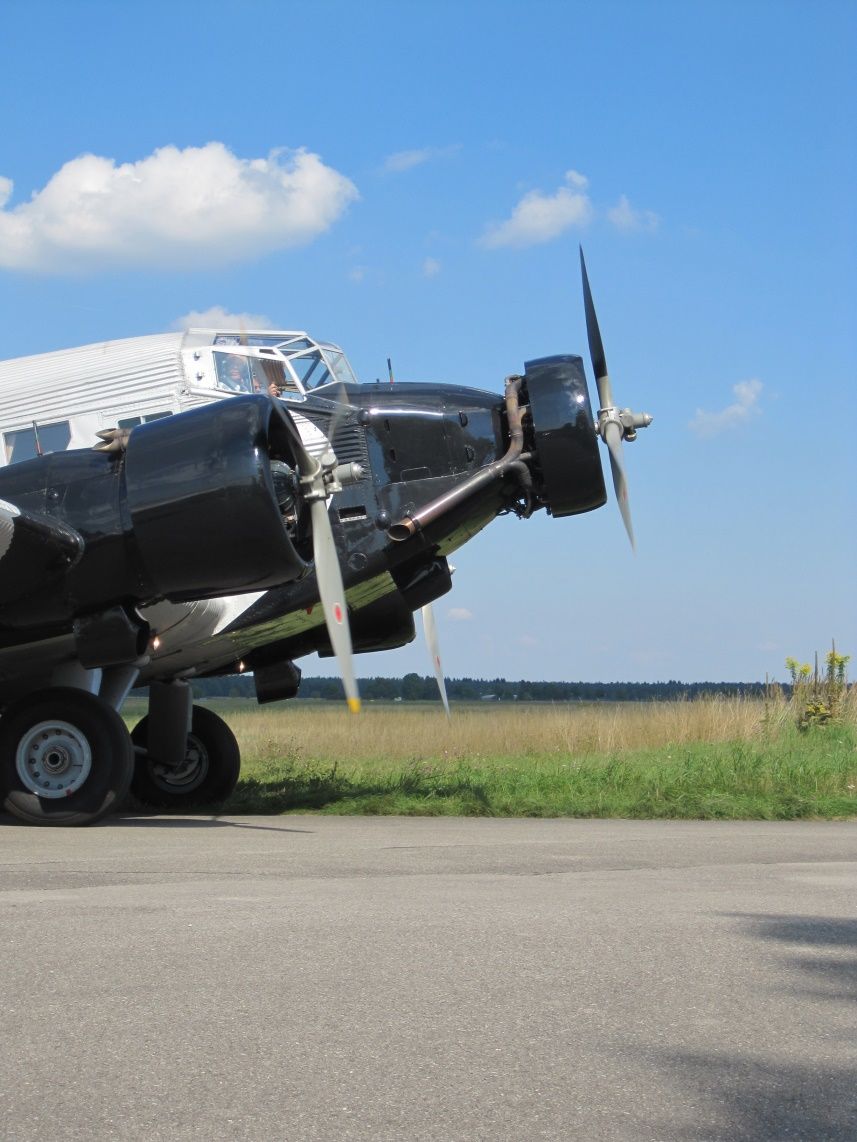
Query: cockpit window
<point x="295" y="362"/>
<point x="239" y="374"/>
<point x="268" y="371"/>
<point x="321" y="365"/>
<point x="247" y="339"/>
<point x="233" y="373"/>
<point x="311" y="369"/>
<point x="296" y="344"/>
<point x="339" y="366"/>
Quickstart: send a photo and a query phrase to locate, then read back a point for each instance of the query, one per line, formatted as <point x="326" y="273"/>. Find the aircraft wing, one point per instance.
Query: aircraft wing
<point x="34" y="550"/>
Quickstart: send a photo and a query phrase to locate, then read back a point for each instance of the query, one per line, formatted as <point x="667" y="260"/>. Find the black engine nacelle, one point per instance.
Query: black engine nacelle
<point x="568" y="475"/>
<point x="202" y="502"/>
<point x="189" y="510"/>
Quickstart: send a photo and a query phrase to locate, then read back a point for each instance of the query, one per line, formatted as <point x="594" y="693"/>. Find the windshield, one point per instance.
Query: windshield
<point x="318" y="364"/>
<point x="242" y="373"/>
<point x="250" y="362"/>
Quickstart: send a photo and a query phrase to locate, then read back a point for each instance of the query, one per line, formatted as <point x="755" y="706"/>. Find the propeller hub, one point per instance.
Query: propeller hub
<point x="614" y="425"/>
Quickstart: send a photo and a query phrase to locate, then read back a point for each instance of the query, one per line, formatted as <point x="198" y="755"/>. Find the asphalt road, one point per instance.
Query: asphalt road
<point x="384" y="978"/>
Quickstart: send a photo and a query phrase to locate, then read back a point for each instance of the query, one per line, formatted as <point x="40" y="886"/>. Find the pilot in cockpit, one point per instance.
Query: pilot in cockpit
<point x="235" y="374"/>
<point x="259" y="386"/>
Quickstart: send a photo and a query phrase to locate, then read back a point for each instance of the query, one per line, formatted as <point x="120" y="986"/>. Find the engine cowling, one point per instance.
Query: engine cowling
<point x="203" y="503"/>
<point x="568" y="476"/>
<point x="195" y="507"/>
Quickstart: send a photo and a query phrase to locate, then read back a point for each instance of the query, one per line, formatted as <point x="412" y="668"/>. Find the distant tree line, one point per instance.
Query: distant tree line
<point x="419" y="688"/>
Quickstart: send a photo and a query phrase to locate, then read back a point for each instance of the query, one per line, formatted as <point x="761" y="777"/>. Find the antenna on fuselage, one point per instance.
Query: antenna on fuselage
<point x="390" y="370"/>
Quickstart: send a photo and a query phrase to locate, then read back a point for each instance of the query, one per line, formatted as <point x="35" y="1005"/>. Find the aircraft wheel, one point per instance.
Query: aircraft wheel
<point x="209" y="772"/>
<point x="65" y="758"/>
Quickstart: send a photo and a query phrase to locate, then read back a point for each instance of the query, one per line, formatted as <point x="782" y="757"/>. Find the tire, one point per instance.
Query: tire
<point x="210" y="770"/>
<point x="65" y="758"/>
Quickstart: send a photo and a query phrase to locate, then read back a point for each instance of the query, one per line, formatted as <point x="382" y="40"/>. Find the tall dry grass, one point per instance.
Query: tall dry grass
<point x="485" y="732"/>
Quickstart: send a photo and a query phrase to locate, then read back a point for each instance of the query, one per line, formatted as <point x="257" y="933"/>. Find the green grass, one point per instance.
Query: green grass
<point x="794" y="775"/>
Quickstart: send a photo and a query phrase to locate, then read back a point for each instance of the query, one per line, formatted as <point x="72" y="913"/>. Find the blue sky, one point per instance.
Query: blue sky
<point x="412" y="180"/>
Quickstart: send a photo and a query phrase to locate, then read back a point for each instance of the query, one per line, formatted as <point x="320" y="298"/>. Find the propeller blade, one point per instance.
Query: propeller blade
<point x="332" y="593"/>
<point x="433" y="644"/>
<point x="328" y="575"/>
<point x="596" y="348"/>
<point x="613" y="440"/>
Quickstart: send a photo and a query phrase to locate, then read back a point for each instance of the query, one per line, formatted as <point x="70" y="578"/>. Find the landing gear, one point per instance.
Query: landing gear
<point x="65" y="758"/>
<point x="209" y="771"/>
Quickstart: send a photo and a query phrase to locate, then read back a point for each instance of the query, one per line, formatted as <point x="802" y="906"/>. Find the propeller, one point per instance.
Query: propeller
<point x="614" y="424"/>
<point x="433" y="644"/>
<point x="318" y="481"/>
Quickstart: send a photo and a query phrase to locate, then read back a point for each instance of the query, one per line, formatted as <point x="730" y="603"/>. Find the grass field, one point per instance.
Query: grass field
<point x="710" y="758"/>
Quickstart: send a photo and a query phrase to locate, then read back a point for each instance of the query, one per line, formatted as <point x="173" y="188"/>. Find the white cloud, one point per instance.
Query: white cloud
<point x="743" y="408"/>
<point x="219" y="318"/>
<point x="186" y="209"/>
<point x="431" y="268"/>
<point x="542" y="217"/>
<point x="407" y="160"/>
<point x="459" y="614"/>
<point x="625" y="217"/>
<point x="357" y="274"/>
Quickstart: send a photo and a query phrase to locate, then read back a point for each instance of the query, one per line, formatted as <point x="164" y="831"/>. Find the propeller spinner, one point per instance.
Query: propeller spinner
<point x="614" y="424"/>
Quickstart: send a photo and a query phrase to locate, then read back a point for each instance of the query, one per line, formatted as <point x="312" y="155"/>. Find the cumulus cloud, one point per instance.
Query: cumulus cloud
<point x="542" y="217"/>
<point x="431" y="268"/>
<point x="178" y="209"/>
<point x="625" y="217"/>
<point x="459" y="614"/>
<point x="743" y="408"/>
<point x="219" y="318"/>
<point x="407" y="160"/>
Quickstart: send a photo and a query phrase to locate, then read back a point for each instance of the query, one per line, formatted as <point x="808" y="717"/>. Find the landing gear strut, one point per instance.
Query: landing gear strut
<point x="65" y="758"/>
<point x="209" y="771"/>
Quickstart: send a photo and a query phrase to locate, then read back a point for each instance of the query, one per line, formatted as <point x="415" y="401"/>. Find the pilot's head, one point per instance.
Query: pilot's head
<point x="236" y="370"/>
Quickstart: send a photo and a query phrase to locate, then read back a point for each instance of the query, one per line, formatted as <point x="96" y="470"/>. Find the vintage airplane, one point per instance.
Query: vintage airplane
<point x="248" y="502"/>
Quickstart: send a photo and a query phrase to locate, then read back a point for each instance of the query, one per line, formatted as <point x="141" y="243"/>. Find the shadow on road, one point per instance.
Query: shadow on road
<point x="741" y="1099"/>
<point x="175" y="821"/>
<point x="749" y="1098"/>
<point x="833" y="974"/>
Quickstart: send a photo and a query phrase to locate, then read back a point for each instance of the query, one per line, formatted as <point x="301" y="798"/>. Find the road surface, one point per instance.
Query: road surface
<point x="387" y="978"/>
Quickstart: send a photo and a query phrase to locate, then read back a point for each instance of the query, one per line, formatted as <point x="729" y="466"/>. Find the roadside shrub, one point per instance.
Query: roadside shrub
<point x="817" y="697"/>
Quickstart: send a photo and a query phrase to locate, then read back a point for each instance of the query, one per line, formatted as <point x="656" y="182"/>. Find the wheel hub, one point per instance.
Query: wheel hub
<point x="53" y="759"/>
<point x="190" y="774"/>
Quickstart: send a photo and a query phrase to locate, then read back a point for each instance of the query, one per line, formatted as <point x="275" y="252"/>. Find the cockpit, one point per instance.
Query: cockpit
<point x="287" y="365"/>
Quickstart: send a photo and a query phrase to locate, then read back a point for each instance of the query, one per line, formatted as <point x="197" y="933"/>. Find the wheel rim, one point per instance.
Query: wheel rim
<point x="53" y="759"/>
<point x="189" y="775"/>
